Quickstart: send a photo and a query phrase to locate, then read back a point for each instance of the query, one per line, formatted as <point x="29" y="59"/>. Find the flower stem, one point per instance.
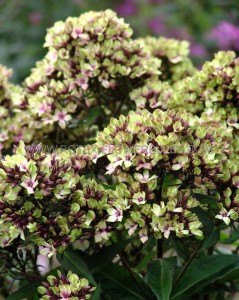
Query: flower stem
<point x="187" y="264"/>
<point x="125" y="263"/>
<point x="160" y="248"/>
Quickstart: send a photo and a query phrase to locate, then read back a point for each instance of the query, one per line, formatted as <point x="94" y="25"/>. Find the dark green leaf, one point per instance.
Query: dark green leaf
<point x="160" y="277"/>
<point x="110" y="186"/>
<point x="117" y="282"/>
<point x="105" y="256"/>
<point x="206" y="199"/>
<point x="202" y="272"/>
<point x="211" y="238"/>
<point x="93" y="114"/>
<point x="89" y="119"/>
<point x="96" y="294"/>
<point x="180" y="248"/>
<point x="235" y="287"/>
<point x="232" y="274"/>
<point x="146" y="254"/>
<point x="210" y="231"/>
<point x="27" y="291"/>
<point x="170" y="180"/>
<point x="72" y="261"/>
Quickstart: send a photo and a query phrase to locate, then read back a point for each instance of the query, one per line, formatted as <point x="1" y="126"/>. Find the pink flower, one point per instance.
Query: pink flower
<point x="226" y="36"/>
<point x="76" y="32"/>
<point x="65" y="295"/>
<point x="197" y="49"/>
<point x="44" y="108"/>
<point x="17" y="138"/>
<point x="115" y="215"/>
<point x="180" y="34"/>
<point x="156" y="25"/>
<point x="3" y="136"/>
<point x="29" y="184"/>
<point x="35" y="17"/>
<point x="166" y="230"/>
<point x="101" y="232"/>
<point x="156" y="1"/>
<point x="62" y="117"/>
<point x="127" y="8"/>
<point x="82" y="81"/>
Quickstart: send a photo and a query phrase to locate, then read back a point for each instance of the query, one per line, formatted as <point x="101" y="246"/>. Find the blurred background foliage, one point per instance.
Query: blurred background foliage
<point x="210" y="25"/>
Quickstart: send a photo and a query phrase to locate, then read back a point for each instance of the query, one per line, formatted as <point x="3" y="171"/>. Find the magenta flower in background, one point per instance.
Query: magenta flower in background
<point x="156" y="25"/>
<point x="226" y="35"/>
<point x="197" y="49"/>
<point x="155" y="1"/>
<point x="35" y="17"/>
<point x="127" y="8"/>
<point x="179" y="34"/>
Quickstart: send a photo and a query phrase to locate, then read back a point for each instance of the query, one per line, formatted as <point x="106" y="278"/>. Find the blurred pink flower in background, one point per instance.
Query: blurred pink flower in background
<point x="197" y="49"/>
<point x="156" y="1"/>
<point x="226" y="35"/>
<point x="35" y="17"/>
<point x="179" y="34"/>
<point x="157" y="25"/>
<point x="127" y="8"/>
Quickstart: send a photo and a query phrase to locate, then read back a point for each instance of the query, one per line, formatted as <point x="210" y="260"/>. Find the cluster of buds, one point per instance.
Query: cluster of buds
<point x="228" y="204"/>
<point x="5" y="91"/>
<point x="14" y="126"/>
<point x="175" y="67"/>
<point x="170" y="213"/>
<point x="46" y="198"/>
<point x="91" y="61"/>
<point x="173" y="53"/>
<point x="183" y="95"/>
<point x="211" y="92"/>
<point x="10" y="129"/>
<point x="143" y="148"/>
<point x="154" y="94"/>
<point x="176" y="142"/>
<point x="219" y="81"/>
<point x="5" y="104"/>
<point x="227" y="192"/>
<point x="69" y="287"/>
<point x="118" y="183"/>
<point x="175" y="214"/>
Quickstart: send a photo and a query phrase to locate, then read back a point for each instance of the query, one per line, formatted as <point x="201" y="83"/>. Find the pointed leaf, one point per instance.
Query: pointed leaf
<point x="211" y="239"/>
<point x="27" y="291"/>
<point x="160" y="277"/>
<point x="117" y="282"/>
<point x="73" y="261"/>
<point x="105" y="256"/>
<point x="93" y="114"/>
<point x="206" y="199"/>
<point x="202" y="272"/>
<point x="96" y="294"/>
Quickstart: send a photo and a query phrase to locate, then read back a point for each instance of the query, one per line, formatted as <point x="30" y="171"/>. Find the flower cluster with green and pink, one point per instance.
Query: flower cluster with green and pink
<point x="155" y="132"/>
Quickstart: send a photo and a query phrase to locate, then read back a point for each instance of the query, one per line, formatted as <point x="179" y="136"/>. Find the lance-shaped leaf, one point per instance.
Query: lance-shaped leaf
<point x="160" y="277"/>
<point x="202" y="272"/>
<point x="72" y="261"/>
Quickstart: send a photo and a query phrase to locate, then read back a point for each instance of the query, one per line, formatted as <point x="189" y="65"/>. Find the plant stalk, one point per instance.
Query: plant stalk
<point x="187" y="264"/>
<point x="133" y="275"/>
